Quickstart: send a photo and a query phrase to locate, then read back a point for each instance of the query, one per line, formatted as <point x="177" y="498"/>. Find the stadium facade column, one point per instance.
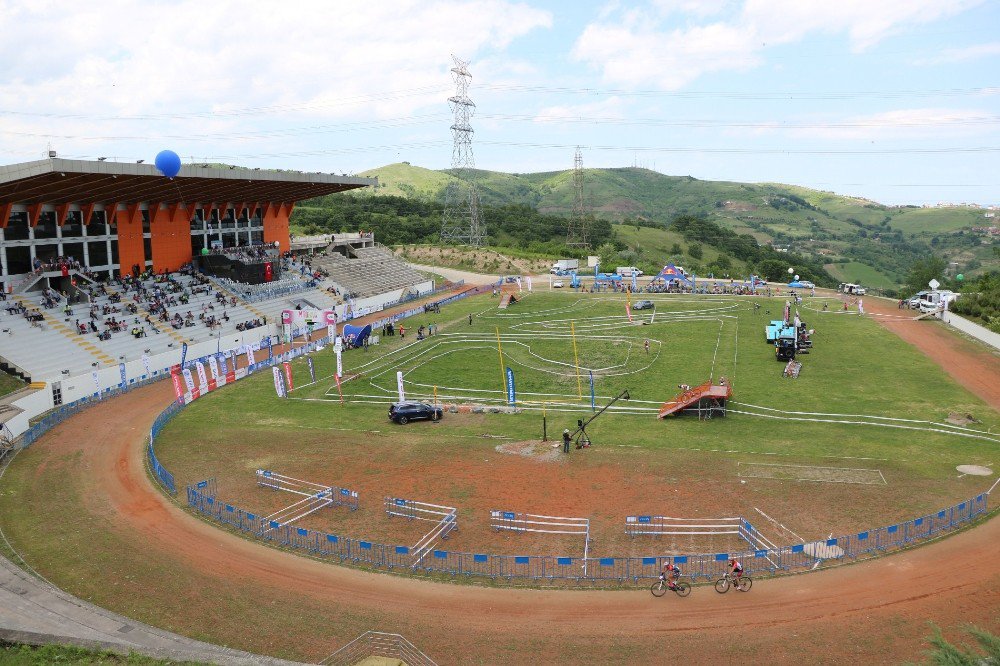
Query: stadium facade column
<point x="170" y="236"/>
<point x="130" y="246"/>
<point x="276" y="224"/>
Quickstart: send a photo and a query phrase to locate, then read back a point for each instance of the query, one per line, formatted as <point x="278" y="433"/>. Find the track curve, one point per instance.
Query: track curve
<point x="875" y="610"/>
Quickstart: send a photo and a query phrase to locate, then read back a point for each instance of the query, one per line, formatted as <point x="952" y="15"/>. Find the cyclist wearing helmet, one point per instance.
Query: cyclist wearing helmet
<point x="670" y="573"/>
<point x="735" y="568"/>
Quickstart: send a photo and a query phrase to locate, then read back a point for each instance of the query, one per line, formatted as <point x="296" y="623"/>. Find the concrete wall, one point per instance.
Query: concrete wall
<point x="981" y="333"/>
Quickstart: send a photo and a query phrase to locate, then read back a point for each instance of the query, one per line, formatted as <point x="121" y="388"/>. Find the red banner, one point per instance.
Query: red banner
<point x="268" y="272"/>
<point x="288" y="373"/>
<point x="178" y="387"/>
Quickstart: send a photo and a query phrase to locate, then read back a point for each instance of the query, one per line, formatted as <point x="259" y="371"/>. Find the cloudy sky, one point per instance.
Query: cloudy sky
<point x="895" y="100"/>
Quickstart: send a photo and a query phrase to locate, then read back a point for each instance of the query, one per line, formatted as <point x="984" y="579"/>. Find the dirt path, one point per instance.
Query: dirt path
<point x="874" y="611"/>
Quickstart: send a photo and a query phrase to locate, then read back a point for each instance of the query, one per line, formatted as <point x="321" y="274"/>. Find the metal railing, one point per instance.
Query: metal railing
<point x="602" y="570"/>
<point x="378" y="644"/>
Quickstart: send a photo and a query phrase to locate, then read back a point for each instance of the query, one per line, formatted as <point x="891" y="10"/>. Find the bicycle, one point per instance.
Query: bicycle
<point x="661" y="586"/>
<point x="742" y="583"/>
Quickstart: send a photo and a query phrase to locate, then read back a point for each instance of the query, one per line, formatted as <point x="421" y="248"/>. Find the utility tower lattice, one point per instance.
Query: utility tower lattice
<point x="576" y="228"/>
<point x="462" y="221"/>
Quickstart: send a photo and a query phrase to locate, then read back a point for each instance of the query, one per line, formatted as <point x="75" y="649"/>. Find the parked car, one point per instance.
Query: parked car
<point x="558" y="284"/>
<point x="404" y="412"/>
<point x="642" y="305"/>
<point x="914" y="301"/>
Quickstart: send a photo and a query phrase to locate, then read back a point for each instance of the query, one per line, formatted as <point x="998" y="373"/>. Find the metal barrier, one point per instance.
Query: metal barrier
<point x="444" y="517"/>
<point x="378" y="644"/>
<point x="592" y="569"/>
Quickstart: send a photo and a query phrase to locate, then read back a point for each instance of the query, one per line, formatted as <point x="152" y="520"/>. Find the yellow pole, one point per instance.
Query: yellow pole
<point x="576" y="359"/>
<point x="503" y="373"/>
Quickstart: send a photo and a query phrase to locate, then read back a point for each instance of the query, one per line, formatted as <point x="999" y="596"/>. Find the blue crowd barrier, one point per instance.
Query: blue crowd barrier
<point x="707" y="566"/>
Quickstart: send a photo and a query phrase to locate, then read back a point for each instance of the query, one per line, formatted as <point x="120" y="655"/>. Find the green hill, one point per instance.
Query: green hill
<point x="836" y="229"/>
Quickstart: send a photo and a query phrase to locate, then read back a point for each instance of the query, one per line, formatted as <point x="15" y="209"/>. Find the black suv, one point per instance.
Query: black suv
<point x="404" y="412"/>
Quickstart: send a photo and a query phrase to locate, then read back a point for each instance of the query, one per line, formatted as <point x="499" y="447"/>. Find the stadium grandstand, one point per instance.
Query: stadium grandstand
<point x="106" y="263"/>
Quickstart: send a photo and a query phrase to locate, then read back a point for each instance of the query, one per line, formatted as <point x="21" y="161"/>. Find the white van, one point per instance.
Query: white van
<point x="935" y="300"/>
<point x="628" y="271"/>
<point x="854" y="289"/>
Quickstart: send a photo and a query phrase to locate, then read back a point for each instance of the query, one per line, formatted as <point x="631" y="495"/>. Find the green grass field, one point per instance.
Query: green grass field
<point x="857" y="272"/>
<point x="866" y="407"/>
<point x="9" y="383"/>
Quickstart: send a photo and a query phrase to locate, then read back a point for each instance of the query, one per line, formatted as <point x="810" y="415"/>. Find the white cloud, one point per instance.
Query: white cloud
<point x="320" y="59"/>
<point x="896" y="124"/>
<point x="668" y="44"/>
<point x="974" y="52"/>
<point x="611" y="108"/>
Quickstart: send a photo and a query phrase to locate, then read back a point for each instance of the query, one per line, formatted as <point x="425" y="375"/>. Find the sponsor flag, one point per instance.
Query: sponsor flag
<point x="184" y="353"/>
<point x="399" y="385"/>
<point x="178" y="389"/>
<point x="250" y="360"/>
<point x="188" y="380"/>
<point x="528" y="278"/>
<point x="213" y="366"/>
<point x="635" y="282"/>
<point x="339" y="390"/>
<point x="511" y="394"/>
<point x="223" y="365"/>
<point x="279" y="384"/>
<point x="145" y="364"/>
<point x="312" y="370"/>
<point x="270" y="351"/>
<point x="124" y="382"/>
<point x="593" y="399"/>
<point x="97" y="380"/>
<point x="202" y="379"/>
<point x="519" y="288"/>
<point x="288" y="374"/>
<point x="340" y="365"/>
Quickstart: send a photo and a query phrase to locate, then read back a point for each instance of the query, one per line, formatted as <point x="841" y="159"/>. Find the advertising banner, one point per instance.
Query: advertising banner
<point x="340" y="365"/>
<point x="178" y="388"/>
<point x="511" y="394"/>
<point x="97" y="380"/>
<point x="145" y="364"/>
<point x="288" y="374"/>
<point x="279" y="385"/>
<point x="124" y="382"/>
<point x="213" y="367"/>
<point x="184" y="353"/>
<point x="250" y="360"/>
<point x="188" y="379"/>
<point x="399" y="385"/>
<point x="202" y="379"/>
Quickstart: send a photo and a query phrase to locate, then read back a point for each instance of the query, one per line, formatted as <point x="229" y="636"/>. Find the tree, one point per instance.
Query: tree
<point x="923" y="271"/>
<point x="677" y="250"/>
<point x="695" y="251"/>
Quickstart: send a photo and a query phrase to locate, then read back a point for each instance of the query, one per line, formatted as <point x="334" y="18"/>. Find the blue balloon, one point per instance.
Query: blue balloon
<point x="168" y="162"/>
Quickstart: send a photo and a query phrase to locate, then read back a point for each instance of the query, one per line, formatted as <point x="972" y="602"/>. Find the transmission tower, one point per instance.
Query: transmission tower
<point x="576" y="228"/>
<point x="462" y="221"/>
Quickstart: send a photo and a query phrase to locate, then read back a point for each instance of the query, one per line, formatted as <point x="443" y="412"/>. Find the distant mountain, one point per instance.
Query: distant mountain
<point x="854" y="236"/>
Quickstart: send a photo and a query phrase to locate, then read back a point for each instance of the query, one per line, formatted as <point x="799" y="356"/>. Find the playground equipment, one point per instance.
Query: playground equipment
<point x="706" y="400"/>
<point x="512" y="521"/>
<point x="506" y="298"/>
<point x="316" y="496"/>
<point x="580" y="436"/>
<point x="445" y="519"/>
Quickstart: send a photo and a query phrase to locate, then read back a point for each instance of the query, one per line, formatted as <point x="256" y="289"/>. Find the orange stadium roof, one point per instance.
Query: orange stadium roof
<point x="62" y="181"/>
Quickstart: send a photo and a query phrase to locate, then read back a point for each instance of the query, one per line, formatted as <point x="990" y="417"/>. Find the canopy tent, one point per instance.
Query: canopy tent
<point x="671" y="273"/>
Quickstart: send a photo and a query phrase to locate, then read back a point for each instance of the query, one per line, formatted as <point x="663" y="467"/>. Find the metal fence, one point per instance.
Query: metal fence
<point x="592" y="569"/>
<point x="378" y="644"/>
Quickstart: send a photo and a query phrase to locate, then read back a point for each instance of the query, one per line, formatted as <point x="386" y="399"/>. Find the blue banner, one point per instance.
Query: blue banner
<point x="511" y="395"/>
<point x="121" y="366"/>
<point x="270" y="352"/>
<point x="593" y="405"/>
<point x="184" y="352"/>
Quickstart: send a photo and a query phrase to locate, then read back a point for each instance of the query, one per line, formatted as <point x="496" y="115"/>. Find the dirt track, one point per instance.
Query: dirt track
<point x="875" y="611"/>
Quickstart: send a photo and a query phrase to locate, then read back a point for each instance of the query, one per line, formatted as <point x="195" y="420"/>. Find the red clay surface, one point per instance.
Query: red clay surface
<point x="874" y="611"/>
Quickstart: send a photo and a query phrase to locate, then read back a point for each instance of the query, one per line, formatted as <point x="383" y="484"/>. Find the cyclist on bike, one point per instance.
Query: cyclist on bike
<point x="670" y="573"/>
<point x="735" y="568"/>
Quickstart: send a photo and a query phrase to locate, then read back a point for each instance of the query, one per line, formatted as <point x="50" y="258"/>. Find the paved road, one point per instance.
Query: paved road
<point x="455" y="275"/>
<point x="32" y="611"/>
